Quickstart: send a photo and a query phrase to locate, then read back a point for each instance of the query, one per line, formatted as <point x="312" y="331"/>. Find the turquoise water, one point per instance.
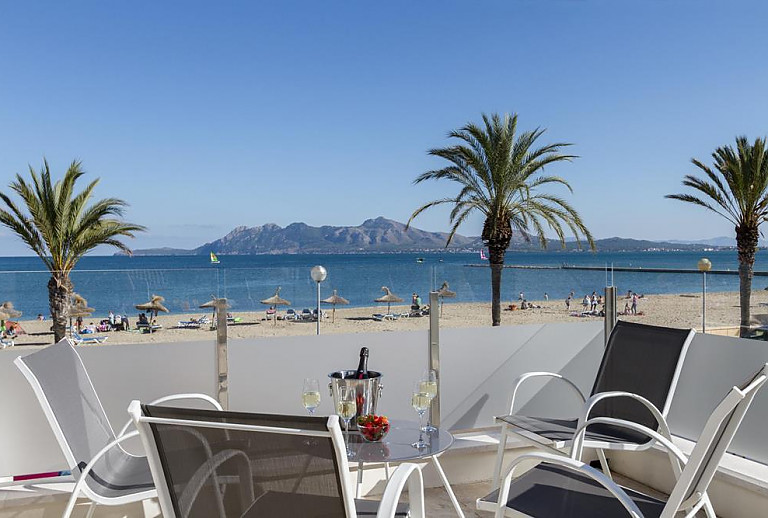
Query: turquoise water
<point x="117" y="283"/>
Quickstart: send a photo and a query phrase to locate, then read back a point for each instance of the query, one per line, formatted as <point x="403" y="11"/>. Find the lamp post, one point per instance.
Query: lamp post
<point x="704" y="266"/>
<point x="318" y="274"/>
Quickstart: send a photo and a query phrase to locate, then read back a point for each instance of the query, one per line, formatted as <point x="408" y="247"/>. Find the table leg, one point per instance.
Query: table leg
<point x="386" y="470"/>
<point x="447" y="486"/>
<point x="359" y="478"/>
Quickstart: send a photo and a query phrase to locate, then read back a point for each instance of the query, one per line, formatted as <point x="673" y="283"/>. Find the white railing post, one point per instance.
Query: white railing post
<point x="434" y="353"/>
<point x="222" y="364"/>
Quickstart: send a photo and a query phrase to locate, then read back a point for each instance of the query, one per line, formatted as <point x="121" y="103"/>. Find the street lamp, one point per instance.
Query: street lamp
<point x="704" y="266"/>
<point x="318" y="274"/>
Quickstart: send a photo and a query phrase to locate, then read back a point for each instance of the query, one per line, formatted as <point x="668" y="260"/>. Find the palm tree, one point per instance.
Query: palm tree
<point x="737" y="189"/>
<point x="499" y="173"/>
<point x="60" y="227"/>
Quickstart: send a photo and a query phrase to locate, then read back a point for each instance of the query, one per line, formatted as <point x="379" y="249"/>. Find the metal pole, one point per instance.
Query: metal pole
<point x="704" y="302"/>
<point x="318" y="308"/>
<point x="434" y="354"/>
<point x="222" y="364"/>
<point x="610" y="311"/>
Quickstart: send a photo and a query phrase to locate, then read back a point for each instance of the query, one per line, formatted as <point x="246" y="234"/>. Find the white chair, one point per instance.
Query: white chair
<point x="635" y="382"/>
<point x="563" y="487"/>
<point x="104" y="472"/>
<point x="233" y="464"/>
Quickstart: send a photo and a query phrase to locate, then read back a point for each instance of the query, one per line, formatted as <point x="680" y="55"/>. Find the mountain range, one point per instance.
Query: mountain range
<point x="385" y="235"/>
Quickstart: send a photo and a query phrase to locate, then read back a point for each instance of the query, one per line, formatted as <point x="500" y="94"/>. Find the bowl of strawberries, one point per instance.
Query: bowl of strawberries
<point x="372" y="427"/>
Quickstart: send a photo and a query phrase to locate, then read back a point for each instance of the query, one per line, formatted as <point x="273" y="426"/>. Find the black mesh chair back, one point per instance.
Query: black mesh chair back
<point x="644" y="360"/>
<point x="215" y="472"/>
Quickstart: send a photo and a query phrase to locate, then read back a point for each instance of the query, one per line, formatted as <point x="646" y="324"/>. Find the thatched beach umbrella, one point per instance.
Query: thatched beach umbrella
<point x="78" y="308"/>
<point x="276" y="300"/>
<point x="335" y="299"/>
<point x="444" y="293"/>
<point x="7" y="311"/>
<point x="155" y="305"/>
<point x="388" y="297"/>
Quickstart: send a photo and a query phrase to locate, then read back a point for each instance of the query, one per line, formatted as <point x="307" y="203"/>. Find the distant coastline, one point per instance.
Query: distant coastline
<point x="381" y="235"/>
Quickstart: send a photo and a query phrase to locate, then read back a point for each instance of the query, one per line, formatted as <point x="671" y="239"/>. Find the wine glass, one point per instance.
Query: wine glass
<point x="346" y="408"/>
<point x="420" y="401"/>
<point x="310" y="396"/>
<point x="429" y="385"/>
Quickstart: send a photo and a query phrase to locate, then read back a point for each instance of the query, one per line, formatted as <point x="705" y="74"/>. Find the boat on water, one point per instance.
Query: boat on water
<point x="419" y="259"/>
<point x="482" y="255"/>
<point x="214" y="259"/>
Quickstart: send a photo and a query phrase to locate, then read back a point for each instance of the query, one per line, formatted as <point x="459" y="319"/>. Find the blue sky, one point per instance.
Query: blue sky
<point x="208" y="115"/>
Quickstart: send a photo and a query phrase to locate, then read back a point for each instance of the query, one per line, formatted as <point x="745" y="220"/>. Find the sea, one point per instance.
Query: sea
<point x="118" y="283"/>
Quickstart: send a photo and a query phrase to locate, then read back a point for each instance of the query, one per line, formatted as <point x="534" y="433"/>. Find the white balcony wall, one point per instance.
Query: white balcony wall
<point x="478" y="368"/>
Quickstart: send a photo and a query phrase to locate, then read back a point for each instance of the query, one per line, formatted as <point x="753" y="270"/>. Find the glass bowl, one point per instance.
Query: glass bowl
<point x="373" y="428"/>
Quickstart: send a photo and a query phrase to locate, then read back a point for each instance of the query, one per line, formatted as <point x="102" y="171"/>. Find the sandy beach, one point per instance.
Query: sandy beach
<point x="680" y="310"/>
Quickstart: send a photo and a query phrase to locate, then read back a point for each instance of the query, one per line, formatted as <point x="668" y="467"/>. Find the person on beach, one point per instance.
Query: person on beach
<point x="521" y="296"/>
<point x="593" y="303"/>
<point x="585" y="302"/>
<point x="546" y="297"/>
<point x="627" y="309"/>
<point x="568" y="302"/>
<point x="414" y="306"/>
<point x="111" y="318"/>
<point x="634" y="303"/>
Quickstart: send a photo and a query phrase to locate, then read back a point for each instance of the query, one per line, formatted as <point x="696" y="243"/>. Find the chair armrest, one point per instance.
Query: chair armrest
<point x="529" y="375"/>
<point x="175" y="397"/>
<point x="676" y="456"/>
<point x="88" y="467"/>
<point x="592" y="401"/>
<point x="410" y="473"/>
<point x="571" y="464"/>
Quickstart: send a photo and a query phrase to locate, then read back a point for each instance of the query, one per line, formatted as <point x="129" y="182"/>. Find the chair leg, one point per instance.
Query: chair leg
<point x="500" y="456"/>
<point x="91" y="510"/>
<point x="604" y="463"/>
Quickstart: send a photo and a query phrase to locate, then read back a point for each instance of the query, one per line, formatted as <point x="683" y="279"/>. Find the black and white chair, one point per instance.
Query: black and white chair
<point x="210" y="464"/>
<point x="564" y="487"/>
<point x="635" y="382"/>
<point x="104" y="472"/>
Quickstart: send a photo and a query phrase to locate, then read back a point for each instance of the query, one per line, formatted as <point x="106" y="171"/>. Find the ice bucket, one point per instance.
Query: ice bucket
<point x="367" y="392"/>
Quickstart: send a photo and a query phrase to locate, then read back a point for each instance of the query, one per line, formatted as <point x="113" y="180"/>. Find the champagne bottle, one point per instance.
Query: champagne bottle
<point x="362" y="367"/>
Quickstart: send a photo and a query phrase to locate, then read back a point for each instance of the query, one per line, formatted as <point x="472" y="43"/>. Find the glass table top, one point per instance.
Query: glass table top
<point x="396" y="446"/>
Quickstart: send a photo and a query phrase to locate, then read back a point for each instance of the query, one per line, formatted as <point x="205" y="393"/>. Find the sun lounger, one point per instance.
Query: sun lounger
<point x="6" y="342"/>
<point x="306" y="314"/>
<point x="146" y="328"/>
<point x="79" y="339"/>
<point x="389" y="316"/>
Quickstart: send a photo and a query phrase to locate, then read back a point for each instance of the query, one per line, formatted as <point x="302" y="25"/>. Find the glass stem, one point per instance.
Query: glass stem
<point x="346" y="435"/>
<point x="421" y="428"/>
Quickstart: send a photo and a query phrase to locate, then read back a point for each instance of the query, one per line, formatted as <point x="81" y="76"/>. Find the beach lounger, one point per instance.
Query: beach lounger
<point x="380" y="316"/>
<point x="237" y="464"/>
<point x="104" y="472"/>
<point x="188" y="324"/>
<point x="146" y="328"/>
<point x="6" y="342"/>
<point x="635" y="382"/>
<point x="561" y="486"/>
<point x="290" y="314"/>
<point x="306" y="314"/>
<point x="79" y="339"/>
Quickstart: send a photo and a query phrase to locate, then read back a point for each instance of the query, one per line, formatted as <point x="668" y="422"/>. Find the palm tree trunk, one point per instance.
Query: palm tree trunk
<point x="59" y="289"/>
<point x="496" y="259"/>
<point x="746" y="242"/>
